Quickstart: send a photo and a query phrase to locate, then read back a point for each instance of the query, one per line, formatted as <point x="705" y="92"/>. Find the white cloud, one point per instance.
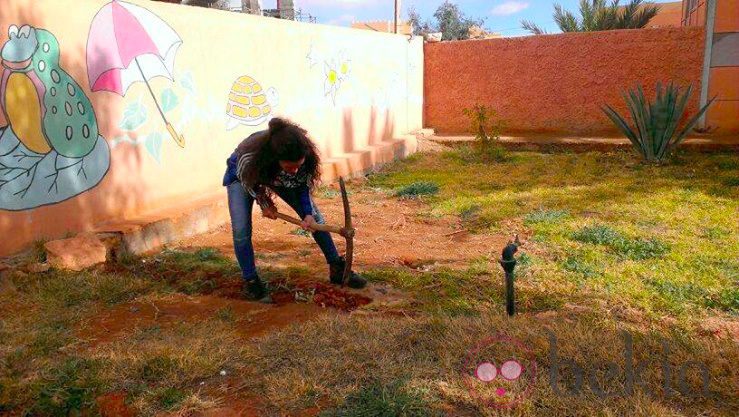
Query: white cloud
<point x="509" y="7"/>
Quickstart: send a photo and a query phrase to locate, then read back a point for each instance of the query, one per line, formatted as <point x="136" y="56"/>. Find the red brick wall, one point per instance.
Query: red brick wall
<point x="555" y="83"/>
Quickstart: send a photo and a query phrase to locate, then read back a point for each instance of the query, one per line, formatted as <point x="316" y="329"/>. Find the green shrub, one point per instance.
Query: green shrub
<point x="380" y="400"/>
<point x="68" y="389"/>
<point x="655" y="132"/>
<point x="574" y="264"/>
<point x="598" y="235"/>
<point x="169" y="398"/>
<point x="417" y="189"/>
<point x="487" y="128"/>
<point x="484" y="123"/>
<point x="631" y="248"/>
<point x="544" y="216"/>
<point x="726" y="300"/>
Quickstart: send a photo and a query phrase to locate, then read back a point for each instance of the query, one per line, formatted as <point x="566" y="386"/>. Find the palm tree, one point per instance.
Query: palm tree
<point x="598" y="15"/>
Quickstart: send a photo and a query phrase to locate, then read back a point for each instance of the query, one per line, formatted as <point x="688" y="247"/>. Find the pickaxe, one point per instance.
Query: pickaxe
<point x="347" y="231"/>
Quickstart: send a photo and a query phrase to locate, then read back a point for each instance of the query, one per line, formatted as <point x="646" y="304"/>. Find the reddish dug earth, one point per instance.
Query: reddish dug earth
<point x="390" y="232"/>
<point x="254" y="319"/>
<point x="324" y="295"/>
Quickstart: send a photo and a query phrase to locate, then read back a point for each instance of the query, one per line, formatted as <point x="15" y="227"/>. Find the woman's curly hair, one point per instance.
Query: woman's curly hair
<point x="286" y="141"/>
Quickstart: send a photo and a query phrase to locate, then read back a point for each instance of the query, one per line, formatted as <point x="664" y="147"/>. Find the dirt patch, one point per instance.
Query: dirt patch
<point x="114" y="405"/>
<point x="231" y="407"/>
<point x="253" y="319"/>
<point x="390" y="232"/>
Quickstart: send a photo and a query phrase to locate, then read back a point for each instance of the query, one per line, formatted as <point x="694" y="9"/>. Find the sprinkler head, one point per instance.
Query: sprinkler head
<point x="507" y="260"/>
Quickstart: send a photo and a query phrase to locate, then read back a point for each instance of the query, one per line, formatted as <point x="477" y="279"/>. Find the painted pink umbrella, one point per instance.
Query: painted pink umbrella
<point x="127" y="44"/>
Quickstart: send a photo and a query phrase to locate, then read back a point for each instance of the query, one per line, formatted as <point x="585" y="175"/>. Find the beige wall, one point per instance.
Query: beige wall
<point x="378" y="97"/>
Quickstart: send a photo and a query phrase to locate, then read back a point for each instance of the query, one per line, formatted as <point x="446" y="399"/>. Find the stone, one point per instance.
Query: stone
<point x="77" y="253"/>
<point x="37" y="268"/>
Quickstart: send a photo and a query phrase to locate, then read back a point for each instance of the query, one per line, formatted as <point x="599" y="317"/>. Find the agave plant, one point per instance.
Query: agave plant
<point x="655" y="132"/>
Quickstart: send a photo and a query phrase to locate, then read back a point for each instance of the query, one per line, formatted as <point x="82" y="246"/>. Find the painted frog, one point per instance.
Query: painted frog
<point x="46" y="109"/>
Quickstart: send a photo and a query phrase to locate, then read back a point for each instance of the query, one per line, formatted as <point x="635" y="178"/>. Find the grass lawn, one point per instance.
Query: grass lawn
<point x="627" y="279"/>
<point x="663" y="239"/>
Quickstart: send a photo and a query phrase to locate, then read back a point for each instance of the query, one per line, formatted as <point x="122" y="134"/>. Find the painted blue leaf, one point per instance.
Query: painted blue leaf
<point x="169" y="100"/>
<point x="187" y="82"/>
<point x="133" y="117"/>
<point x="153" y="143"/>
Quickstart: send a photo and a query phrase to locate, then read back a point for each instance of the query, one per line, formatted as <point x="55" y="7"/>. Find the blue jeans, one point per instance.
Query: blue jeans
<point x="240" y="205"/>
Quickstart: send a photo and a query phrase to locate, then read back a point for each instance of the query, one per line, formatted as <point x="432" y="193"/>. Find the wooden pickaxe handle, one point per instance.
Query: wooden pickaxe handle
<point x="318" y="227"/>
<point x="347" y="231"/>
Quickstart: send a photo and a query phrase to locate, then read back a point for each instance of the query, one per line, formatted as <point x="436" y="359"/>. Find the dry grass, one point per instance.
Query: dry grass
<point x="340" y="357"/>
<point x="613" y="246"/>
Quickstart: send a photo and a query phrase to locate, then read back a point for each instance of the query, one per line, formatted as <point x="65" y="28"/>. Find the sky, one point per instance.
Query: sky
<point x="503" y="16"/>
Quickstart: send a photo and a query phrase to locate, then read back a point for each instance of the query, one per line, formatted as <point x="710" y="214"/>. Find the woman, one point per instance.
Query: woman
<point x="284" y="161"/>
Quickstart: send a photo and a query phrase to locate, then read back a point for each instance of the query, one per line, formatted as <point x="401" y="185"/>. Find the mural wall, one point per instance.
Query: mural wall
<point x="125" y="107"/>
<point x="50" y="149"/>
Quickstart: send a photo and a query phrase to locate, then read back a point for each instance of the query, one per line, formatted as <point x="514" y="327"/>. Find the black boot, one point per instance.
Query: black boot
<point x="337" y="275"/>
<point x="255" y="289"/>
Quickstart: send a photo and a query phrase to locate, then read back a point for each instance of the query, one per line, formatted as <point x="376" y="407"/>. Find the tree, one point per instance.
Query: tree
<point x="597" y="15"/>
<point x="414" y="19"/>
<point x="452" y="23"/>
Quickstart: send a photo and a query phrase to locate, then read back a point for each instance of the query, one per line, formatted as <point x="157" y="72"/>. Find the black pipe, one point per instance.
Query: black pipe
<point x="508" y="262"/>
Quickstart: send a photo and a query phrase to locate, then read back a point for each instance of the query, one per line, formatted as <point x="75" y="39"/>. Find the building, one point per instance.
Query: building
<point x="404" y="28"/>
<point x="285" y="10"/>
<point x="251" y="6"/>
<point x="721" y="65"/>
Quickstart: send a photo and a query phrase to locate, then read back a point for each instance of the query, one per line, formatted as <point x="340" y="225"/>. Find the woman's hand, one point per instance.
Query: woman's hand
<point x="309" y="223"/>
<point x="269" y="212"/>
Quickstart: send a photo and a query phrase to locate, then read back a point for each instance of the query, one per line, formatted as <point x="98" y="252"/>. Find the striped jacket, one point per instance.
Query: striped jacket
<point x="238" y="163"/>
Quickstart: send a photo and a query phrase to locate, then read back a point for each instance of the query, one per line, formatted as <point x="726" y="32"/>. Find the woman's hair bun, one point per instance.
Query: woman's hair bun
<point x="277" y="124"/>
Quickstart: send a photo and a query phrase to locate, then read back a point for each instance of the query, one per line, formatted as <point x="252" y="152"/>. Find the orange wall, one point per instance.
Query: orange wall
<point x="555" y="83"/>
<point x="376" y="95"/>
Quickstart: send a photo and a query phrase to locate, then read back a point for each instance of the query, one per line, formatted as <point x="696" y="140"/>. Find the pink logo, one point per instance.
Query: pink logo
<point x="499" y="371"/>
